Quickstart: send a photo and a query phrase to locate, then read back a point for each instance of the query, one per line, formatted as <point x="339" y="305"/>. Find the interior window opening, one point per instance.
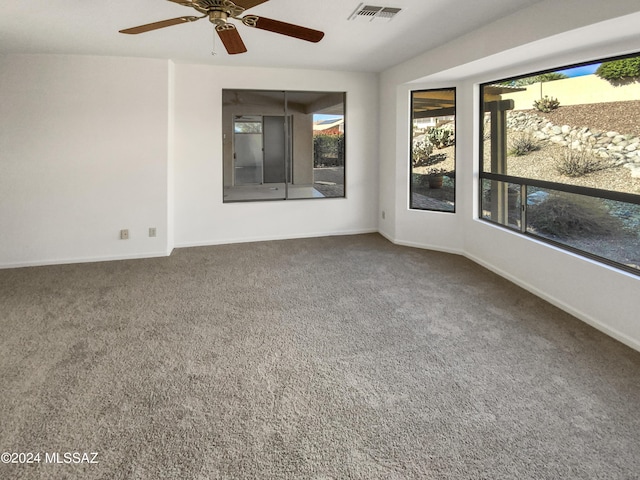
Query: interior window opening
<point x="281" y="145"/>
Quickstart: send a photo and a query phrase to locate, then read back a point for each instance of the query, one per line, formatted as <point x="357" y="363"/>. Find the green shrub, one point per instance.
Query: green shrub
<point x="618" y="70"/>
<point x="573" y="162"/>
<point x="328" y="150"/>
<point x="564" y="216"/>
<point x="546" y="104"/>
<point x="441" y="137"/>
<point x="522" y="143"/>
<point x="420" y="152"/>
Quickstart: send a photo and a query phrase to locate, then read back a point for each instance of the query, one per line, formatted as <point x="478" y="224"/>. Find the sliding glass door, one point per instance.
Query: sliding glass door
<point x="247" y="148"/>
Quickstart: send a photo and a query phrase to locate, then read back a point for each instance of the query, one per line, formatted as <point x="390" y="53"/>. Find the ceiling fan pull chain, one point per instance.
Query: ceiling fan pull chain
<point x="214" y="52"/>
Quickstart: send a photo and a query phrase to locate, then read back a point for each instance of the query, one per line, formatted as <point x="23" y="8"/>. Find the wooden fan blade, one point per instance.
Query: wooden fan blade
<point x="247" y="4"/>
<point x="164" y="23"/>
<point x="276" y="26"/>
<point x="231" y="39"/>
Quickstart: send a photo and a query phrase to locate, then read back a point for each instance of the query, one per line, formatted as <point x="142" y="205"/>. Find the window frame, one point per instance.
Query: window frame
<point x="455" y="149"/>
<point x="525" y="182"/>
<point x="228" y="158"/>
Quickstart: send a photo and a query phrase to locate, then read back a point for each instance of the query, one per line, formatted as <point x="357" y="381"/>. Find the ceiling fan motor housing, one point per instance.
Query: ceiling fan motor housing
<point x="217" y="10"/>
<point x="218" y="17"/>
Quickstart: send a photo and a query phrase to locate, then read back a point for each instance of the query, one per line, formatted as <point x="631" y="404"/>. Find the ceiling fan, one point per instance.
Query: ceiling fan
<point x="219" y="13"/>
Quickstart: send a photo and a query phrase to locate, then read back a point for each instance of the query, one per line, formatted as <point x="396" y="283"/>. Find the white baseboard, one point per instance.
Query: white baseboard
<point x="66" y="261"/>
<point x="166" y="253"/>
<point x="423" y="246"/>
<point x="436" y="248"/>
<point x="586" y="318"/>
<point x="387" y="236"/>
<point x="269" y="238"/>
<point x="622" y="337"/>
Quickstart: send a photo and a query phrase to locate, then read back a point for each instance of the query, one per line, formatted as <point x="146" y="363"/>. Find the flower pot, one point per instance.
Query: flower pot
<point x="435" y="182"/>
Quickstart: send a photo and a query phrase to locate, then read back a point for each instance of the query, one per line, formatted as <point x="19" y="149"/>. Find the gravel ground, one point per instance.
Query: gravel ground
<point x="621" y="117"/>
<point x="541" y="164"/>
<point x="447" y="164"/>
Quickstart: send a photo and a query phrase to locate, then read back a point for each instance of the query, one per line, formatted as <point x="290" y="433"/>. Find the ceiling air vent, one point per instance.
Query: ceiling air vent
<point x="369" y="13"/>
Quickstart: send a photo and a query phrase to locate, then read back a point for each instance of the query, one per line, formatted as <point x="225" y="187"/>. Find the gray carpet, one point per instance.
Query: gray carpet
<point x="327" y="358"/>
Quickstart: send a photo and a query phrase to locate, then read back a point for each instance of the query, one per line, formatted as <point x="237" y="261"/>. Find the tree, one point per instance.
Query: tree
<point x="619" y="70"/>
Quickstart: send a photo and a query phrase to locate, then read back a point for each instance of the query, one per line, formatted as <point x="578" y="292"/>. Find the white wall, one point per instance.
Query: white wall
<point x="93" y="145"/>
<point x="83" y="154"/>
<point x="547" y="35"/>
<point x="202" y="218"/>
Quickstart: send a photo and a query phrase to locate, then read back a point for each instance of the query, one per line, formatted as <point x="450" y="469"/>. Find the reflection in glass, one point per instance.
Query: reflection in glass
<point x="247" y="141"/>
<point x="433" y="129"/>
<point x="283" y="145"/>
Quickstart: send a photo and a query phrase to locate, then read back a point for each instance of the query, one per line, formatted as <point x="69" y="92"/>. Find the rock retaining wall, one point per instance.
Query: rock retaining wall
<point x="620" y="149"/>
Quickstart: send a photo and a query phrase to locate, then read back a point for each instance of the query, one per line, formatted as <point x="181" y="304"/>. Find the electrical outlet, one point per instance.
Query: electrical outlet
<point x="152" y="231"/>
<point x="124" y="234"/>
<point x="383" y="214"/>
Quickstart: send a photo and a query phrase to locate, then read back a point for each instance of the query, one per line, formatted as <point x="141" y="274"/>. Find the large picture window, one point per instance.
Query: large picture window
<point x="433" y="150"/>
<point x="283" y="145"/>
<point x="561" y="158"/>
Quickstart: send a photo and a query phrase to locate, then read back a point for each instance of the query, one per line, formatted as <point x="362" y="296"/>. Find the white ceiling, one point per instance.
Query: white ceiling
<point x="86" y="27"/>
